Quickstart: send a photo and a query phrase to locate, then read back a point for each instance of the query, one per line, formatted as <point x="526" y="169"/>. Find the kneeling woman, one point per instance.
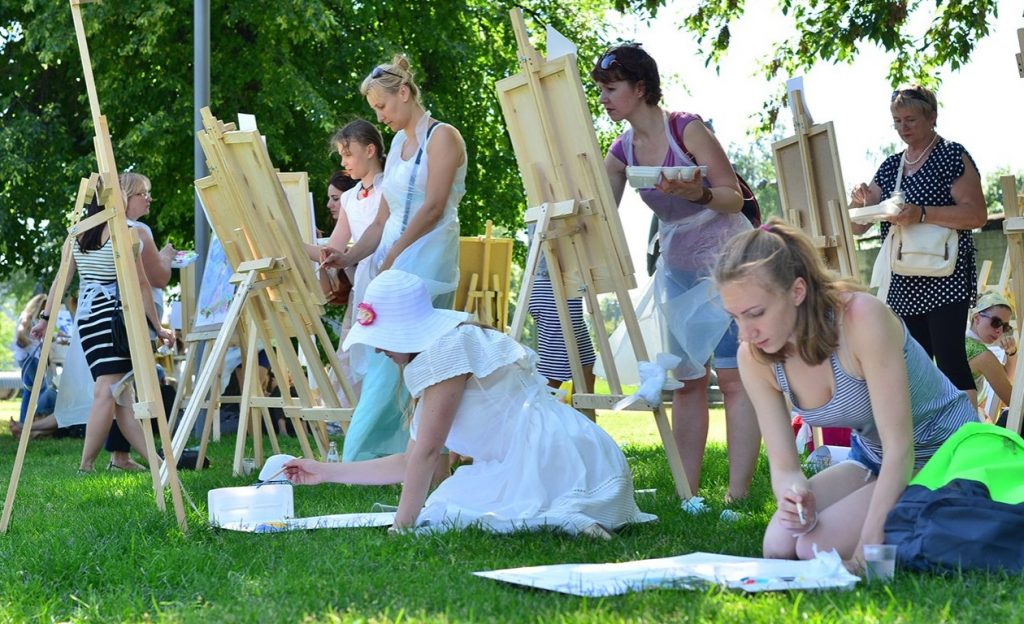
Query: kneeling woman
<point x="844" y="360"/>
<point x="536" y="461"/>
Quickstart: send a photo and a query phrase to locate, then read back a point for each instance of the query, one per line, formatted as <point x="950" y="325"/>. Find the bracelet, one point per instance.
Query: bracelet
<point x="1011" y="353"/>
<point x="924" y="213"/>
<point x="44" y="316"/>
<point x="705" y="197"/>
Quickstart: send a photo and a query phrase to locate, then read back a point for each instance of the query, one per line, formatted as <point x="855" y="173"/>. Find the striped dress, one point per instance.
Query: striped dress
<point x="937" y="408"/>
<point x="97" y="296"/>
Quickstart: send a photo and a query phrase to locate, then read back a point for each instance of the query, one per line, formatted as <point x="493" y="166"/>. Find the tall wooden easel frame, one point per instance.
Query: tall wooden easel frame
<point x="150" y="403"/>
<point x="1013" y="227"/>
<point x="577" y="223"/>
<point x="277" y="293"/>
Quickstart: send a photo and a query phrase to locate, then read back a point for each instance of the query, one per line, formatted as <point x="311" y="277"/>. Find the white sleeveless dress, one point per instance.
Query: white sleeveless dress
<point x="536" y="461"/>
<point x="434" y="257"/>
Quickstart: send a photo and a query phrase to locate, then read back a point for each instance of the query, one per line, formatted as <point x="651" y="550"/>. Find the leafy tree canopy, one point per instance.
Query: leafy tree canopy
<point x="832" y="31"/>
<point x="295" y="64"/>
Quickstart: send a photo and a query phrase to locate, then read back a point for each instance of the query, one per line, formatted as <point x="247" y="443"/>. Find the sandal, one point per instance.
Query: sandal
<point x="131" y="467"/>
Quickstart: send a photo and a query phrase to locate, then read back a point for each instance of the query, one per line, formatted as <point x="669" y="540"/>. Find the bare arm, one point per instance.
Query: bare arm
<point x="616" y="170"/>
<point x="366" y="245"/>
<point x="875" y="338"/>
<point x="446" y="152"/>
<point x="166" y="335"/>
<point x="788" y="481"/>
<point x="995" y="374"/>
<point x="157" y="264"/>
<point x="967" y="212"/>
<point x="439" y="404"/>
<point x="380" y="471"/>
<point x="706" y="150"/>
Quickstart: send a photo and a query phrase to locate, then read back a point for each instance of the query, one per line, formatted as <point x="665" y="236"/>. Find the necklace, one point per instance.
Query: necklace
<point x="364" y="191"/>
<point x="906" y="161"/>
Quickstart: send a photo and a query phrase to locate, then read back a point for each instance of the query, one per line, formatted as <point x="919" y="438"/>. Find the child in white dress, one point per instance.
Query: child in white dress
<point x="536" y="461"/>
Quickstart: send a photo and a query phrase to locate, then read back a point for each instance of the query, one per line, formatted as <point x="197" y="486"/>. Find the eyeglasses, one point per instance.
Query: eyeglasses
<point x="608" y="60"/>
<point x="997" y="323"/>
<point x="143" y="194"/>
<point x="379" y="71"/>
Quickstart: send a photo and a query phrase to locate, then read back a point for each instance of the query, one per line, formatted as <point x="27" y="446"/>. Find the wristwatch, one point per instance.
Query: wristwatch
<point x="924" y="213"/>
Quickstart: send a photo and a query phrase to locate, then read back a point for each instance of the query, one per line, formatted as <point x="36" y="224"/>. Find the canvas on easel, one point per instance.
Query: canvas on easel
<point x="277" y="291"/>
<point x="150" y="403"/>
<point x="577" y="224"/>
<point x="485" y="270"/>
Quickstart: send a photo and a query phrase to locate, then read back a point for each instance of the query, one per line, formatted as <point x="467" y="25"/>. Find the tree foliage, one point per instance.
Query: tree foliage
<point x="832" y="31"/>
<point x="295" y="64"/>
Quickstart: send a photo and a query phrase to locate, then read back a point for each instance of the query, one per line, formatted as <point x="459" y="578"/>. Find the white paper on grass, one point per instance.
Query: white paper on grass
<point x="336" y="521"/>
<point x="693" y="571"/>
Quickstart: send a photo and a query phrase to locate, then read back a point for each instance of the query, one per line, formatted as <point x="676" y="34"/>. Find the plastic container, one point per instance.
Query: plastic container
<point x="643" y="177"/>
<point x="273" y="502"/>
<point x="684" y="173"/>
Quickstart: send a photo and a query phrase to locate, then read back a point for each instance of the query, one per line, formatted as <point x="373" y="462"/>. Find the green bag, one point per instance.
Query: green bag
<point x="979" y="452"/>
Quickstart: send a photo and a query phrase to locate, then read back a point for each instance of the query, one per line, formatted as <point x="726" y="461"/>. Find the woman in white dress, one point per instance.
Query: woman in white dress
<point x="536" y="461"/>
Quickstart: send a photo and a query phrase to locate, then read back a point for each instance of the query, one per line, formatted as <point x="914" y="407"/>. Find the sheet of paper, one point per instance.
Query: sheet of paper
<point x="797" y="84"/>
<point x="693" y="571"/>
<point x="336" y="521"/>
<point x="558" y="44"/>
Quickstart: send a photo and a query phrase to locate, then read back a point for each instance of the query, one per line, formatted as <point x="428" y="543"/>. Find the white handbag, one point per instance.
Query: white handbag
<point x="922" y="249"/>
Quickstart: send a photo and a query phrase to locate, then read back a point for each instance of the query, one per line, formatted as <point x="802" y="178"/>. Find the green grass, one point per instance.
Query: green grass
<point x="94" y="549"/>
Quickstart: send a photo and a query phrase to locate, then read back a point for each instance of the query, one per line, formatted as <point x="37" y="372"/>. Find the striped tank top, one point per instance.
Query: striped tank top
<point x="96" y="265"/>
<point x="937" y="408"/>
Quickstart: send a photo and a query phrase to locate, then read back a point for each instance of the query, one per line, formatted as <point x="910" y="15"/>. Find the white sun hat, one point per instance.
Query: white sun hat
<point x="396" y="315"/>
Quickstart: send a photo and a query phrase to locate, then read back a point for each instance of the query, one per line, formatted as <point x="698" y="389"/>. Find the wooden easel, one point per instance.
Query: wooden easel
<point x="577" y="222"/>
<point x="150" y="403"/>
<point x="276" y="290"/>
<point x="812" y="191"/>
<point x="1013" y="227"/>
<point x="485" y="270"/>
<point x="813" y="194"/>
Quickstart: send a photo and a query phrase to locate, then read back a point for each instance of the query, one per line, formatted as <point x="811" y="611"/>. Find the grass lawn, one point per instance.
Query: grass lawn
<point x="94" y="549"/>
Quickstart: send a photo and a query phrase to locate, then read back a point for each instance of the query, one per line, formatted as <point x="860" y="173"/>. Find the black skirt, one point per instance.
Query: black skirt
<point x="97" y="343"/>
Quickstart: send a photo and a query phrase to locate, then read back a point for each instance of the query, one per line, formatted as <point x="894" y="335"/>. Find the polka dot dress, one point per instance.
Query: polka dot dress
<point x="931" y="185"/>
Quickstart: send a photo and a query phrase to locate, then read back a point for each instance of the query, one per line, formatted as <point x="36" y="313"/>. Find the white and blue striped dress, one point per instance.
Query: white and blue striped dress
<point x="937" y="408"/>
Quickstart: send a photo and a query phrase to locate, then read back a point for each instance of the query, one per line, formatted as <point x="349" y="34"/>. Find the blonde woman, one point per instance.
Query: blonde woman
<point x="843" y="359"/>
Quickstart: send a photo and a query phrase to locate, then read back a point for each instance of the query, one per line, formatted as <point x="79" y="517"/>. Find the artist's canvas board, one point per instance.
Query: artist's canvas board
<point x="296" y="191"/>
<point x="471" y="261"/>
<point x="552" y="133"/>
<point x="215" y="291"/>
<point x="693" y="571"/>
<point x="336" y="521"/>
<point x="835" y="233"/>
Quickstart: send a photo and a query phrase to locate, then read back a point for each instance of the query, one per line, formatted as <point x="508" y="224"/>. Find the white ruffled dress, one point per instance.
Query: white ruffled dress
<point x="536" y="461"/>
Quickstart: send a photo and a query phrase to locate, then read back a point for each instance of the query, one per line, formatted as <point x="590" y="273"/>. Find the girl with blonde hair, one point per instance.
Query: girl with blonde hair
<point x="843" y="359"/>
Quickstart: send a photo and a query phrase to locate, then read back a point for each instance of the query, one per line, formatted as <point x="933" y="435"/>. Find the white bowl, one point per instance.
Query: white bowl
<point x="643" y="177"/>
<point x="684" y="174"/>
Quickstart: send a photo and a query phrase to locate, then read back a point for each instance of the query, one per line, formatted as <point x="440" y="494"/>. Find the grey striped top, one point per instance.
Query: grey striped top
<point x="937" y="408"/>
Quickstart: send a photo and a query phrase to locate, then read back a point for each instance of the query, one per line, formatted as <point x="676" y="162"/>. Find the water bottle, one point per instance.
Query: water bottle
<point x="332" y="453"/>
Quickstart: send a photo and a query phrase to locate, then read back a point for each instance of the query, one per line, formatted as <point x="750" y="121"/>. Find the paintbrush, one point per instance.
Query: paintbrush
<point x="272" y="477"/>
<point x="799" y="506"/>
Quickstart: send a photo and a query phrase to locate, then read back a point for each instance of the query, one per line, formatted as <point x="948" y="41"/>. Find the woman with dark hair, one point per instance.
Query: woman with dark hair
<point x="92" y="255"/>
<point x="939" y="184"/>
<point x="695" y="218"/>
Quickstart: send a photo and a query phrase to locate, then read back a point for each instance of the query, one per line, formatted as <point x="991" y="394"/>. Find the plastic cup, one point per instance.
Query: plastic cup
<point x="248" y="465"/>
<point x="880" y="561"/>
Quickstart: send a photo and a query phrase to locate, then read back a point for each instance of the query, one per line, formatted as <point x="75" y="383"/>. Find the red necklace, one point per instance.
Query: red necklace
<point x="364" y="191"/>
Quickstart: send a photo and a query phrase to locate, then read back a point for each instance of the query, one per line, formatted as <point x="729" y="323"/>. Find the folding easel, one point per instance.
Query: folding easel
<point x="1013" y="227"/>
<point x="276" y="289"/>
<point x="813" y="194"/>
<point x="811" y="188"/>
<point x="577" y="222"/>
<point x="150" y="403"/>
<point x="485" y="270"/>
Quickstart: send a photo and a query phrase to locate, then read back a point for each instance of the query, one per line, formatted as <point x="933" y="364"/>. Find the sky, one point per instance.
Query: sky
<point x="980" y="106"/>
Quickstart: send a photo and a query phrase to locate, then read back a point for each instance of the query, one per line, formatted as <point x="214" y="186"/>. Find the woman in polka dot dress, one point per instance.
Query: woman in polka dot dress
<point x="941" y="185"/>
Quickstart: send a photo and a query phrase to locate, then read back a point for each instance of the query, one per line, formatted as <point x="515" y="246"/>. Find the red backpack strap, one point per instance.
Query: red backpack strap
<point x="677" y="123"/>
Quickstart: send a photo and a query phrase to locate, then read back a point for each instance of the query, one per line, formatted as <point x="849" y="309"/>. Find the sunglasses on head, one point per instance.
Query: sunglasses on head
<point x="608" y="60"/>
<point x="379" y="71"/>
<point x="997" y="323"/>
<point x="913" y="94"/>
